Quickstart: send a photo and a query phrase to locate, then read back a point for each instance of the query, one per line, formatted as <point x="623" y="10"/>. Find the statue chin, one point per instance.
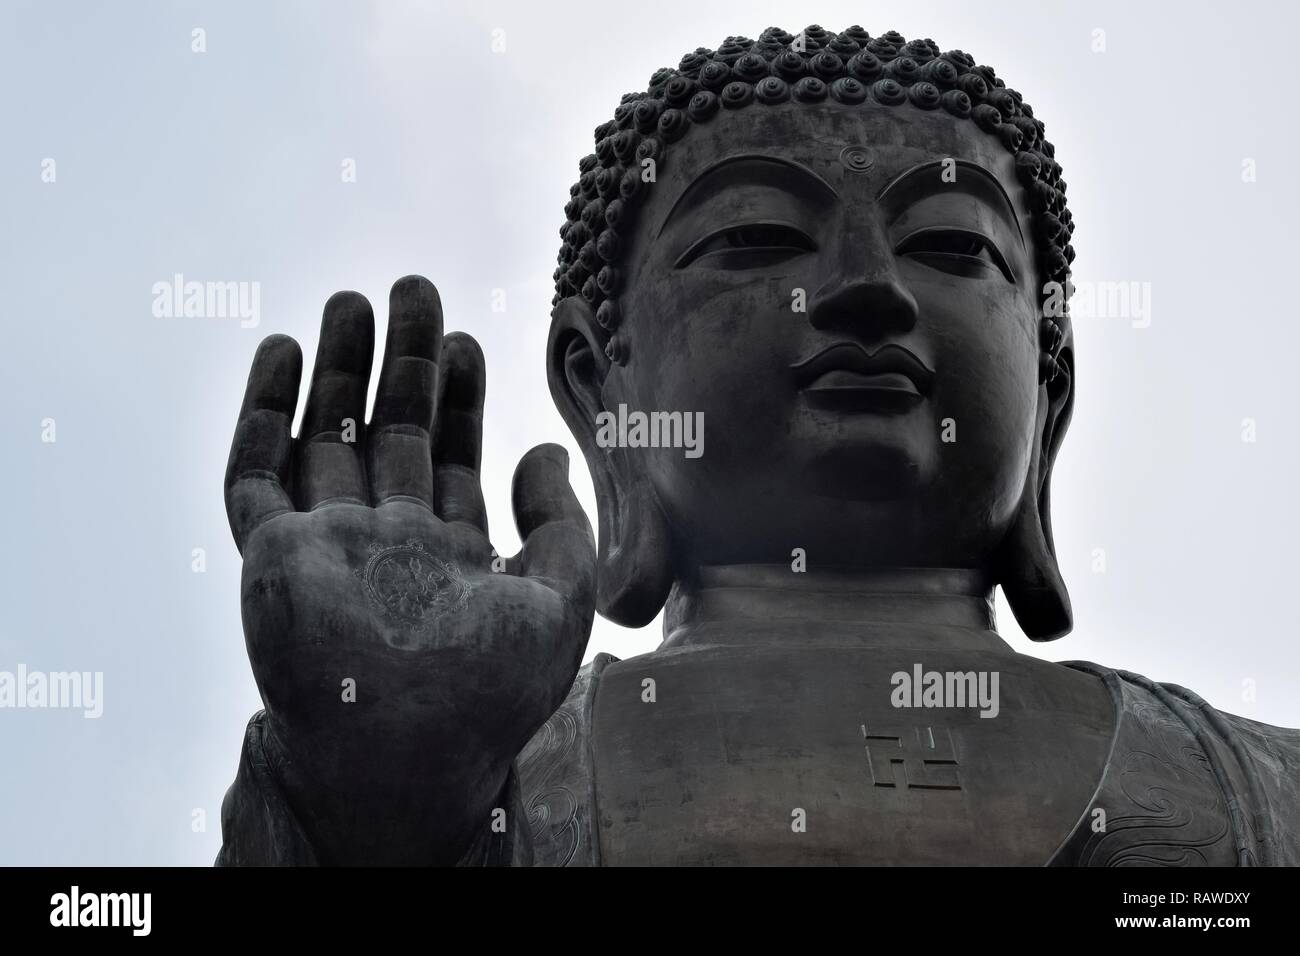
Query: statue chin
<point x="884" y="469"/>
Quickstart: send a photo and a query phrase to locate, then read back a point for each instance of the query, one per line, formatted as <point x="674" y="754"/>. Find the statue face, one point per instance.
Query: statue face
<point x="849" y="297"/>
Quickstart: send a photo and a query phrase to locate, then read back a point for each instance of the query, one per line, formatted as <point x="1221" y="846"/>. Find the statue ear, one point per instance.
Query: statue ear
<point x="1027" y="568"/>
<point x="635" y="565"/>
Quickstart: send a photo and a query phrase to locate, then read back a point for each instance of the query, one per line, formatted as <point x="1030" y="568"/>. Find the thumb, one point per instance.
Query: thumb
<point x="558" y="545"/>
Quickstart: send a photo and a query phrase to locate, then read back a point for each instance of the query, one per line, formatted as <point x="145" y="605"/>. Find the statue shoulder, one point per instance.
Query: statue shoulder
<point x="1272" y="755"/>
<point x="555" y="778"/>
<point x="1188" y="784"/>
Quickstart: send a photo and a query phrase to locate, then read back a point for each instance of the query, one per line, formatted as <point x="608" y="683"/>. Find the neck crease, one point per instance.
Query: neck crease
<point x="758" y="597"/>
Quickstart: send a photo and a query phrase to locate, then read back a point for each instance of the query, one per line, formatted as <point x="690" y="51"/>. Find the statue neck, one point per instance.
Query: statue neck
<point x="770" y="603"/>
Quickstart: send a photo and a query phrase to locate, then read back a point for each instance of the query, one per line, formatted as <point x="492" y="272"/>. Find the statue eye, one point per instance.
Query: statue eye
<point x="956" y="251"/>
<point x="749" y="246"/>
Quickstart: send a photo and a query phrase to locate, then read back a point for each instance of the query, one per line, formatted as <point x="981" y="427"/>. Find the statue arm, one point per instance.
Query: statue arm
<point x="259" y="828"/>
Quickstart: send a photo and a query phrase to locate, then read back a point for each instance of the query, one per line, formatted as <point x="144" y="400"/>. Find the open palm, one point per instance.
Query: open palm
<point x="402" y="664"/>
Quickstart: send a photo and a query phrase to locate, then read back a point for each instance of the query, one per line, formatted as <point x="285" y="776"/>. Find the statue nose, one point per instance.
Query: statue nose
<point x="872" y="307"/>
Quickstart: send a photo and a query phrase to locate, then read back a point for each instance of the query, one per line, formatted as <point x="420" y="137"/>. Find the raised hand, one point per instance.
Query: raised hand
<point x="401" y="671"/>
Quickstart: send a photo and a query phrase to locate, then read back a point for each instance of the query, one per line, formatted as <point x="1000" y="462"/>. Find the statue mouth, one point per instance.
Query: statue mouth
<point x="845" y="375"/>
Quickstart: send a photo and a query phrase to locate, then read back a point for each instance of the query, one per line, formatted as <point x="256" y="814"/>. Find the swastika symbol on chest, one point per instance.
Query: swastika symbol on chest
<point x="921" y="758"/>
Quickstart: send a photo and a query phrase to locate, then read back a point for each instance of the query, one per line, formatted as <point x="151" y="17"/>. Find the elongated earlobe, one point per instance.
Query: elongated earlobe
<point x="634" y="551"/>
<point x="1027" y="567"/>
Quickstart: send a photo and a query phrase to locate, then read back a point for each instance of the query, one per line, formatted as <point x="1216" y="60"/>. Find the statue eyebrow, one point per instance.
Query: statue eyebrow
<point x="927" y="174"/>
<point x="750" y="163"/>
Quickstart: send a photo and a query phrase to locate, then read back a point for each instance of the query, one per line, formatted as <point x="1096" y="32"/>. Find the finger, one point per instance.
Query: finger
<point x="458" y="436"/>
<point x="262" y="448"/>
<point x="328" y="460"/>
<point x="399" y="462"/>
<point x="558" y="545"/>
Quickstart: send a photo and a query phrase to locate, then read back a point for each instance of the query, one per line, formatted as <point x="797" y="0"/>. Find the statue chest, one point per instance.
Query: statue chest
<point x="833" y="755"/>
<point x="768" y="756"/>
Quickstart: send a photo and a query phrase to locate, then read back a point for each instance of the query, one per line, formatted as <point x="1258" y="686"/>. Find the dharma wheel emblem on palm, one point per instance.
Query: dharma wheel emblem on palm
<point x="412" y="585"/>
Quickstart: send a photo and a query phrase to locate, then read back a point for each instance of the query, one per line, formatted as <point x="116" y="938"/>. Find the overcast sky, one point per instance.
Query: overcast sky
<point x="225" y="165"/>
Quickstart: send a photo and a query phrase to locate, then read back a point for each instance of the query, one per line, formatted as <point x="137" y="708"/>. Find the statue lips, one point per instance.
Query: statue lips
<point x="846" y="376"/>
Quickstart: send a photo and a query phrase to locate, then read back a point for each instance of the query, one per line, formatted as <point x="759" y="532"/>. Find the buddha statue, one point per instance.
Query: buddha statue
<point x="847" y="258"/>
